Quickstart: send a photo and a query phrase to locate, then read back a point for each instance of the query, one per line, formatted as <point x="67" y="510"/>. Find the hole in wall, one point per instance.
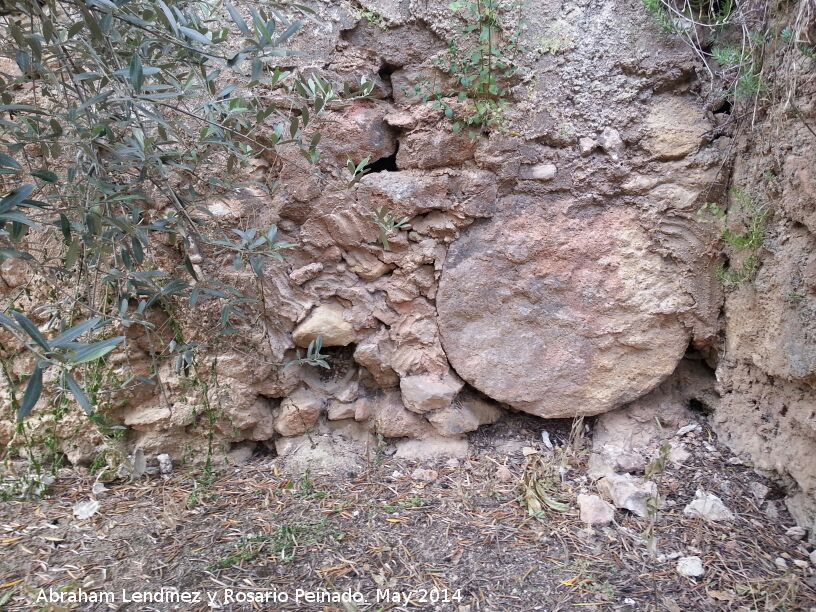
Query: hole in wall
<point x="723" y="108"/>
<point x="699" y="407"/>
<point x="385" y="72"/>
<point x="385" y="164"/>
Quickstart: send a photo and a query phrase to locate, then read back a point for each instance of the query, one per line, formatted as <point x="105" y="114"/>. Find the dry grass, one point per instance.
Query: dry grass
<point x="254" y="528"/>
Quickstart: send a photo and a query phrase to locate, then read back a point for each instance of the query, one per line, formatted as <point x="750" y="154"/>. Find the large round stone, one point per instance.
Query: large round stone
<point x="560" y="310"/>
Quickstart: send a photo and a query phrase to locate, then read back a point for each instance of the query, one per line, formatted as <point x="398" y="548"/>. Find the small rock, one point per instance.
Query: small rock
<point x="691" y="567"/>
<point x="529" y="450"/>
<point x="538" y="172"/>
<point x="503" y="474"/>
<point x="708" y="506"/>
<point x="98" y="489"/>
<point x="611" y="142"/>
<point x="306" y="273"/>
<point x="425" y="392"/>
<point x="813" y="558"/>
<point x="424" y="474"/>
<point x="771" y="511"/>
<point x="452" y="463"/>
<point x="586" y="146"/>
<point x="781" y="563"/>
<point x="678" y="454"/>
<point x="545" y="438"/>
<point x="758" y="490"/>
<point x="801" y="563"/>
<point x="85" y="510"/>
<point x="327" y="322"/>
<point x="627" y="491"/>
<point x="686" y="429"/>
<point x="796" y="532"/>
<point x="735" y="461"/>
<point x="240" y="453"/>
<point x="165" y="463"/>
<point x="463" y="417"/>
<point x="338" y="411"/>
<point x="298" y="413"/>
<point x="595" y="511"/>
<point x="15" y="272"/>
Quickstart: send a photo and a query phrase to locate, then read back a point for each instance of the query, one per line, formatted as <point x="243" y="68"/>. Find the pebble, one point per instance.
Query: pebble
<point x="758" y="490"/>
<point x="503" y="474"/>
<point x="687" y="429"/>
<point x="796" y="532"/>
<point x="691" y="567"/>
<point x="781" y="563"/>
<point x="424" y="474"/>
<point x="813" y="558"/>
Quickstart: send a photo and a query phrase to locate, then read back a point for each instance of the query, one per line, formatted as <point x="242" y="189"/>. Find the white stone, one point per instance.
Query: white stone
<point x="165" y="463"/>
<point x="691" y="567"/>
<point x="611" y="142"/>
<point x="686" y="429"/>
<point x="796" y="532"/>
<point x="538" y="172"/>
<point x="709" y="507"/>
<point x="327" y="322"/>
<point x="594" y="510"/>
<point x="586" y="146"/>
<point x="628" y="492"/>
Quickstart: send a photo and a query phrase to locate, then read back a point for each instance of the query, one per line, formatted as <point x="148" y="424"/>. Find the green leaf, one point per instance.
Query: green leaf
<point x="46" y="175"/>
<point x="8" y="324"/>
<point x="289" y="32"/>
<point x="136" y="72"/>
<point x="14" y="254"/>
<point x="195" y="35"/>
<point x="9" y="162"/>
<point x="31" y="330"/>
<point x="95" y="351"/>
<point x="168" y="15"/>
<point x="15" y="197"/>
<point x="23" y="107"/>
<point x="74" y="332"/>
<point x="78" y="393"/>
<point x="239" y="21"/>
<point x="32" y="393"/>
<point x="17" y="217"/>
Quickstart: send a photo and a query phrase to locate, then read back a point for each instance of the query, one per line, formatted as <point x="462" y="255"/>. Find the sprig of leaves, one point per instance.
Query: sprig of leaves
<point x="388" y="224"/>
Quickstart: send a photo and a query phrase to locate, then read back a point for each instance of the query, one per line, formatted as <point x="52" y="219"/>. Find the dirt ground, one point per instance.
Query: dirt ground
<point x="463" y="541"/>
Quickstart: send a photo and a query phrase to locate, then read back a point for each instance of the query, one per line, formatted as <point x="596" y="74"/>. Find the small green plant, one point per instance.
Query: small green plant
<point x="738" y="67"/>
<point x="371" y="17"/>
<point x="412" y="502"/>
<point x="314" y="357"/>
<point x="357" y="171"/>
<point x="388" y="225"/>
<point x="481" y="60"/>
<point x="748" y="242"/>
<point x="305" y="488"/>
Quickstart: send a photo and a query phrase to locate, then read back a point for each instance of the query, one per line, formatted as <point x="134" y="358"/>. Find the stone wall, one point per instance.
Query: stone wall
<point x="555" y="265"/>
<point x="767" y="372"/>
